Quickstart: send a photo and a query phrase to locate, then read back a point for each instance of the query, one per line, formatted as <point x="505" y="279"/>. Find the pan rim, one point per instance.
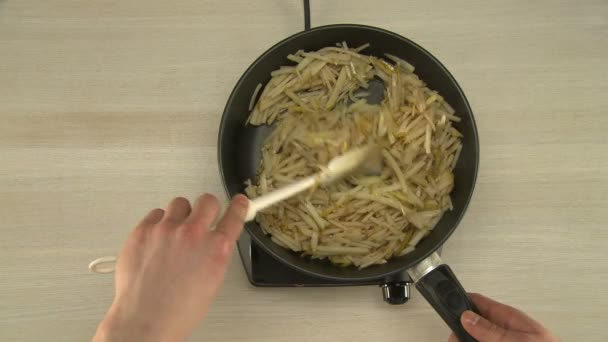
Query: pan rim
<point x="406" y="265"/>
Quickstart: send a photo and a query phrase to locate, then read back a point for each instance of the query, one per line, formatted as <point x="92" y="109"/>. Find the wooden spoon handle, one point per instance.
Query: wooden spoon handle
<point x="279" y="195"/>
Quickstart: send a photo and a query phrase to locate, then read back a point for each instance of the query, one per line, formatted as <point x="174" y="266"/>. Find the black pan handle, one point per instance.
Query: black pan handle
<point x="440" y="287"/>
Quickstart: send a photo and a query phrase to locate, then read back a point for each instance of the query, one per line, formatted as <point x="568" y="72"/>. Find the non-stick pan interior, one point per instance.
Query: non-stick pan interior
<point x="239" y="145"/>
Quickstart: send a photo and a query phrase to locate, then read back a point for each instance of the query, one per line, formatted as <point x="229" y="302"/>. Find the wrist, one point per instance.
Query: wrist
<point x="118" y="327"/>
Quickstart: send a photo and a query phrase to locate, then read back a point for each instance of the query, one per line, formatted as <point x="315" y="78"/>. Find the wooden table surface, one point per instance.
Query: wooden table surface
<point x="109" y="108"/>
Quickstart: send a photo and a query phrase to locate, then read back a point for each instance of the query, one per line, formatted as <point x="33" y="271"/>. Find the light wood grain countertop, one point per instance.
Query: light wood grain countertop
<point x="111" y="107"/>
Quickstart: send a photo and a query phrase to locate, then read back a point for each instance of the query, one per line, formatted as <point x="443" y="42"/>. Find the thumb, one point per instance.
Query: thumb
<point x="482" y="329"/>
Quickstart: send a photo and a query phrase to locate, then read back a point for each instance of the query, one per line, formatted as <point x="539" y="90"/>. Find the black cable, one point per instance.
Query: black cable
<point x="306" y="15"/>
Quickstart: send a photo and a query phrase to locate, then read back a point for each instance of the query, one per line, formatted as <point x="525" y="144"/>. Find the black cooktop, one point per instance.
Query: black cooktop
<point x="264" y="270"/>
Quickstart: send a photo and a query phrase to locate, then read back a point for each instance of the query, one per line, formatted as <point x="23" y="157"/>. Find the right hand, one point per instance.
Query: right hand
<point x="170" y="269"/>
<point x="501" y="323"/>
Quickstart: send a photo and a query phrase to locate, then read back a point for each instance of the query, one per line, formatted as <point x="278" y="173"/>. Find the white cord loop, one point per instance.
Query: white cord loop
<point x="105" y="264"/>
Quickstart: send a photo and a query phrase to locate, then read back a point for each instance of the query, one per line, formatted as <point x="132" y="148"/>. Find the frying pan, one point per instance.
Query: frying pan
<point x="239" y="153"/>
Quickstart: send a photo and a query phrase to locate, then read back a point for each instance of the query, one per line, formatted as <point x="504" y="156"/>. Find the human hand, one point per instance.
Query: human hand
<point x="501" y="323"/>
<point x="170" y="269"/>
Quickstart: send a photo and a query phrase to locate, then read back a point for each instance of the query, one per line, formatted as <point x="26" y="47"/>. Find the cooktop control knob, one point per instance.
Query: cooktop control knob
<point x="396" y="293"/>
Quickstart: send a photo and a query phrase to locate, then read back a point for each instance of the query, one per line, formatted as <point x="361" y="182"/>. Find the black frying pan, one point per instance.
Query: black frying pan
<point x="239" y="150"/>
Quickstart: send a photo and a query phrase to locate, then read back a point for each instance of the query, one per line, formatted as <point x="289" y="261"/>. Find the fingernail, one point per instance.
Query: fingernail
<point x="206" y="197"/>
<point x="241" y="200"/>
<point x="470" y="317"/>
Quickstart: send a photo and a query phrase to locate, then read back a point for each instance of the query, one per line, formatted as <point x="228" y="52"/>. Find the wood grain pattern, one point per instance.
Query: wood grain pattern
<point x="109" y="108"/>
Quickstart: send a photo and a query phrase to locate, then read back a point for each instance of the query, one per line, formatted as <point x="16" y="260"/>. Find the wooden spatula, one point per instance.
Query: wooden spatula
<point x="367" y="159"/>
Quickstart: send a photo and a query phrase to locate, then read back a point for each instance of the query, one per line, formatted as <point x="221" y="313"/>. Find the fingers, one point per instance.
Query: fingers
<point x="504" y="315"/>
<point x="452" y="338"/>
<point x="204" y="212"/>
<point x="218" y="245"/>
<point x="177" y="211"/>
<point x="153" y="217"/>
<point x="482" y="329"/>
<point x="232" y="222"/>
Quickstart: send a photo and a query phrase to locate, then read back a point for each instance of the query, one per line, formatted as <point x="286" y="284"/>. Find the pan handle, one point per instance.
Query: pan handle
<point x="440" y="287"/>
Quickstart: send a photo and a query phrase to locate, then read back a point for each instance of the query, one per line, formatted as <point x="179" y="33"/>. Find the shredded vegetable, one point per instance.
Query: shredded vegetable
<point x="319" y="110"/>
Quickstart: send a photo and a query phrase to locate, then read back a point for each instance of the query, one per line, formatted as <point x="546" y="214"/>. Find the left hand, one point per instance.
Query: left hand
<point x="501" y="323"/>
